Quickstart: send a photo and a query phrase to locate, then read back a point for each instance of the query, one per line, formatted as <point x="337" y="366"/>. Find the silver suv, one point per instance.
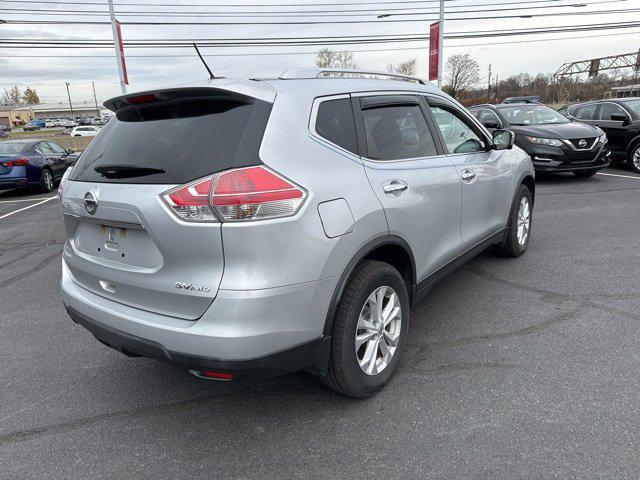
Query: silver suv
<point x="246" y="228"/>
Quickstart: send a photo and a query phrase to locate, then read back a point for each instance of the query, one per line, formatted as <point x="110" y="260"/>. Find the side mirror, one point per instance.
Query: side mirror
<point x="70" y="151"/>
<point x="503" y="139"/>
<point x="491" y="124"/>
<point x="620" y="117"/>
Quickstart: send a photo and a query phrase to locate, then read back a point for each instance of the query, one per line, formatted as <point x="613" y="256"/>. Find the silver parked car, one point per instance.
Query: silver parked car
<point x="246" y="228"/>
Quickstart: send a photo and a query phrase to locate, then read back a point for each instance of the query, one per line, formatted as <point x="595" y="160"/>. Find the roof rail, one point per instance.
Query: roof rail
<point x="306" y="73"/>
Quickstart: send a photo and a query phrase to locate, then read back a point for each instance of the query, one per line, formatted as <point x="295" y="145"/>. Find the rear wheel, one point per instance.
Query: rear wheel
<point x="370" y="331"/>
<point x="46" y="181"/>
<point x="519" y="226"/>
<point x="634" y="159"/>
<point x="585" y="173"/>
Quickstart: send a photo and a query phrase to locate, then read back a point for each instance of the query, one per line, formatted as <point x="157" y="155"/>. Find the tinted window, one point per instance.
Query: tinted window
<point x="586" y="112"/>
<point x="488" y="116"/>
<point x="397" y="132"/>
<point x="335" y="123"/>
<point x="56" y="148"/>
<point x="176" y="141"/>
<point x="459" y="136"/>
<point x="11" y="148"/>
<point x="608" y="109"/>
<point x="44" y="148"/>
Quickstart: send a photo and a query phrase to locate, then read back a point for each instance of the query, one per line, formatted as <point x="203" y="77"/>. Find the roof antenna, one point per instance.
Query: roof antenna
<point x="211" y="75"/>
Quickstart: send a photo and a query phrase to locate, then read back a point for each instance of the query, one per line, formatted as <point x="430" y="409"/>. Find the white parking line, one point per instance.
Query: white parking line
<point x="21" y="200"/>
<point x="27" y="208"/>
<point x="621" y="176"/>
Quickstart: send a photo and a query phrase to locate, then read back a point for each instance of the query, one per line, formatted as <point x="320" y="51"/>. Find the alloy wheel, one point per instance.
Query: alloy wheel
<point x="635" y="159"/>
<point x="47" y="180"/>
<point x="378" y="330"/>
<point x="524" y="221"/>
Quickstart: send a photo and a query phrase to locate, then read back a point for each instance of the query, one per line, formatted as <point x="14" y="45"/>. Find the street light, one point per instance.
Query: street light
<point x="69" y="96"/>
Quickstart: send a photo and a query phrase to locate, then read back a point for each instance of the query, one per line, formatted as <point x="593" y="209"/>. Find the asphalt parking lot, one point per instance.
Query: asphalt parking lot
<point x="526" y="368"/>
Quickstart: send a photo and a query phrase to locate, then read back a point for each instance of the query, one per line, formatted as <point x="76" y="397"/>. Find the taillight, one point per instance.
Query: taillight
<point x="17" y="162"/>
<point x="191" y="202"/>
<point x="63" y="181"/>
<point x="255" y="193"/>
<point x="251" y="193"/>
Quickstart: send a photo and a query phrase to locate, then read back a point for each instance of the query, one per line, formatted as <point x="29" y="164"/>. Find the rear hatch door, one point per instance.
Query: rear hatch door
<point x="124" y="243"/>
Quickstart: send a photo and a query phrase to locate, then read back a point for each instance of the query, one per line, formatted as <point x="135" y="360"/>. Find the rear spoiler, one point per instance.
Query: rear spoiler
<point x="173" y="95"/>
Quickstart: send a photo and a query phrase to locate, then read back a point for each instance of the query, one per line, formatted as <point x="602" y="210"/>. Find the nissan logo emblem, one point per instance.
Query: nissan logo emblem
<point x="90" y="203"/>
<point x="582" y="143"/>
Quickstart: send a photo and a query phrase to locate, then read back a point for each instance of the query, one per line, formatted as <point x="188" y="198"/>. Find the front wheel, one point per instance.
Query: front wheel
<point x="370" y="331"/>
<point x="585" y="173"/>
<point x="519" y="225"/>
<point x="634" y="159"/>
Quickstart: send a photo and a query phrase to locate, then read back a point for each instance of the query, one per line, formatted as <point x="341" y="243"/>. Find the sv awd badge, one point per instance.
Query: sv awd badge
<point x="191" y="287"/>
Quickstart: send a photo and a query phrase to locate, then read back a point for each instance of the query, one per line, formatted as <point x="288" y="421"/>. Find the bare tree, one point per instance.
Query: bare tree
<point x="408" y="67"/>
<point x="463" y="72"/>
<point x="30" y="96"/>
<point x="328" y="58"/>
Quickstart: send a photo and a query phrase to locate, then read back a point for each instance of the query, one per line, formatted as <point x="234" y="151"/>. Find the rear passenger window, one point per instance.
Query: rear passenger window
<point x="335" y="123"/>
<point x="586" y="112"/>
<point x="397" y="132"/>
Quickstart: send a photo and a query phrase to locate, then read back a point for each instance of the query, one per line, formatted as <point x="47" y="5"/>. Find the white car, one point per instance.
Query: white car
<point x="85" y="131"/>
<point x="68" y="123"/>
<point x="50" y="123"/>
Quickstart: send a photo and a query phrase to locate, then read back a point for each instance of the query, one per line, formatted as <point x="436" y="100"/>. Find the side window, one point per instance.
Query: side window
<point x="586" y="112"/>
<point x="396" y="132"/>
<point x="44" y="149"/>
<point x="608" y="109"/>
<point x="335" y="123"/>
<point x="487" y="116"/>
<point x="56" y="148"/>
<point x="459" y="136"/>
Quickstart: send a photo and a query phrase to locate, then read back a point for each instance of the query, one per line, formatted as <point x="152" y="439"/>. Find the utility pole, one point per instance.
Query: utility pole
<point x="69" y="96"/>
<point x="496" y="83"/>
<point x="116" y="46"/>
<point x="489" y="86"/>
<point x="440" y="43"/>
<point x="95" y="99"/>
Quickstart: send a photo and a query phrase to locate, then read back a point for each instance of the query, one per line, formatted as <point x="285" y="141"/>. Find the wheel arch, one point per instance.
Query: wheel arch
<point x="635" y="141"/>
<point x="529" y="182"/>
<point x="390" y="249"/>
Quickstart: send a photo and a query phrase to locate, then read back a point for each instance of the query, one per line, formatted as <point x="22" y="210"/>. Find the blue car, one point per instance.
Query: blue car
<point x="33" y="163"/>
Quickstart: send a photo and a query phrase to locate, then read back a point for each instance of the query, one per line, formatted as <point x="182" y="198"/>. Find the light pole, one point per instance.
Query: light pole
<point x="95" y="99"/>
<point x="69" y="96"/>
<point x="440" y="43"/>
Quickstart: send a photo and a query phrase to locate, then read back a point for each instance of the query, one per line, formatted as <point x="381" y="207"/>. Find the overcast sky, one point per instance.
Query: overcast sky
<point x="26" y="66"/>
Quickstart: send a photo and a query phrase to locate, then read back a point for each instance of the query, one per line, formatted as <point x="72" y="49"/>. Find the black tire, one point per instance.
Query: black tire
<point x="345" y="374"/>
<point x="511" y="247"/>
<point x="585" y="173"/>
<point x="46" y="181"/>
<point x="634" y="159"/>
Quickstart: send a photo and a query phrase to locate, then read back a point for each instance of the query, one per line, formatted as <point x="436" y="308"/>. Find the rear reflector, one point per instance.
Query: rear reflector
<point x="216" y="375"/>
<point x="251" y="193"/>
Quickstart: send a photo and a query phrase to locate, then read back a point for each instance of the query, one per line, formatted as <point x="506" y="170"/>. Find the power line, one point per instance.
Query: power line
<point x="306" y="13"/>
<point x="315" y="51"/>
<point x="314" y="22"/>
<point x="302" y="41"/>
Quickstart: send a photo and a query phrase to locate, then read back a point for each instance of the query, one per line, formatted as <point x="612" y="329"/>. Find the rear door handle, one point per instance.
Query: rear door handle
<point x="468" y="175"/>
<point x="395" y="187"/>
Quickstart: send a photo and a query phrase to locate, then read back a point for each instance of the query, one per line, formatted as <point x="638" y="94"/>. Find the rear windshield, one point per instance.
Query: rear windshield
<point x="175" y="141"/>
<point x="11" y="148"/>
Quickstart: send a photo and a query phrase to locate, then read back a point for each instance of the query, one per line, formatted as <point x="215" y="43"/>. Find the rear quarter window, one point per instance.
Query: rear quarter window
<point x="335" y="123"/>
<point x="178" y="141"/>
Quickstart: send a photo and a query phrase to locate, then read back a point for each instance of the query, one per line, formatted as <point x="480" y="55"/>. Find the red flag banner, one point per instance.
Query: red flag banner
<point x="121" y="53"/>
<point x="434" y="50"/>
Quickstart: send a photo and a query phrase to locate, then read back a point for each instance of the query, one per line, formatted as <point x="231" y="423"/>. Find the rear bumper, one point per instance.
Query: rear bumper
<point x="250" y="334"/>
<point x="13" y="182"/>
<point x="308" y="356"/>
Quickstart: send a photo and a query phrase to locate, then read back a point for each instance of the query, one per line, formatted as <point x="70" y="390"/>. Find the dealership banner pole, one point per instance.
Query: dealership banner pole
<point x="117" y="43"/>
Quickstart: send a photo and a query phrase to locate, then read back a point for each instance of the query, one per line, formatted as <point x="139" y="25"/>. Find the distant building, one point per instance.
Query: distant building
<point x="61" y="109"/>
<point x="624" y="92"/>
<point x="15" y="116"/>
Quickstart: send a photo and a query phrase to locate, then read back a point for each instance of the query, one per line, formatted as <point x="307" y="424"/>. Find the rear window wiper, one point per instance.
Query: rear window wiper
<point x="126" y="171"/>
